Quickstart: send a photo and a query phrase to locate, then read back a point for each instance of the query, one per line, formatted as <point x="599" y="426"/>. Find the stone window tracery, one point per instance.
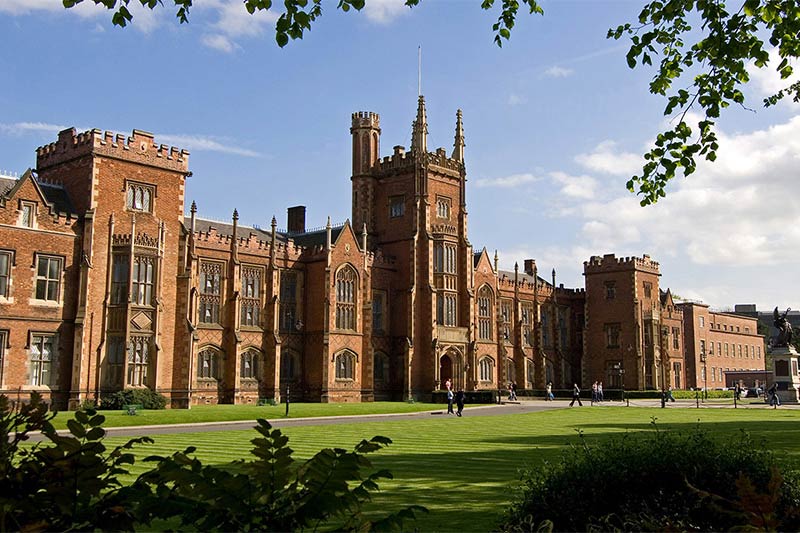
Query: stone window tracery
<point x="138" y="360"/>
<point x="143" y="279"/>
<point x="485" y="297"/>
<point x="210" y="292"/>
<point x="140" y="197"/>
<point x="345" y="363"/>
<point x="250" y="314"/>
<point x="208" y="363"/>
<point x="486" y="369"/>
<point x="346" y="296"/>
<point x="248" y="366"/>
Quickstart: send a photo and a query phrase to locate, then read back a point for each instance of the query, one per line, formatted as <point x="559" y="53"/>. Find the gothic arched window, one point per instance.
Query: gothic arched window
<point x="345" y="363"/>
<point x="346" y="298"/>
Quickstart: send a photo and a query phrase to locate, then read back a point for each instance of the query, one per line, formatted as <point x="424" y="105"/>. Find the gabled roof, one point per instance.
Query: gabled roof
<point x="53" y="195"/>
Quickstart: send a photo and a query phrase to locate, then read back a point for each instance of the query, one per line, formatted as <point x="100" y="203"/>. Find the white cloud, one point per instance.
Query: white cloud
<point x="575" y="186"/>
<point x="205" y="143"/>
<point x="766" y="80"/>
<point x="233" y="22"/>
<point x="741" y="210"/>
<point x="144" y="19"/>
<point x="558" y="72"/>
<point x="21" y="128"/>
<point x="190" y="142"/>
<point x="384" y="11"/>
<point x="513" y="180"/>
<point x="219" y="42"/>
<point x="608" y="159"/>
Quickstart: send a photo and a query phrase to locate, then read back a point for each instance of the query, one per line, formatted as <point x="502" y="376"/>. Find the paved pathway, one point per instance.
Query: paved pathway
<point x="524" y="406"/>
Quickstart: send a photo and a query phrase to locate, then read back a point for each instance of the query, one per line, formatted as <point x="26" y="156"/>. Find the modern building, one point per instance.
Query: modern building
<point x="107" y="283"/>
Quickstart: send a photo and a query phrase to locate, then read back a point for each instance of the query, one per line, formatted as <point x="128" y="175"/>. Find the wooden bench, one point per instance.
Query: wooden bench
<point x="132" y="409"/>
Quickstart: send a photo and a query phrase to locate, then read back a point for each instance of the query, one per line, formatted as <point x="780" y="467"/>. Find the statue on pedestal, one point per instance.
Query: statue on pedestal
<point x="784" y="328"/>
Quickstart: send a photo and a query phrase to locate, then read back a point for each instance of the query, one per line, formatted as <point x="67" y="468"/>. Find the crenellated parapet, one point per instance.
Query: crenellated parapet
<point x="138" y="148"/>
<point x="610" y="263"/>
<point x="366" y="119"/>
<point x="440" y="159"/>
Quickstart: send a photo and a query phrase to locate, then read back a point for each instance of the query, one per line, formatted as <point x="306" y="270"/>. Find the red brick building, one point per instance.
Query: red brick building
<point x="718" y="343"/>
<point x="105" y="284"/>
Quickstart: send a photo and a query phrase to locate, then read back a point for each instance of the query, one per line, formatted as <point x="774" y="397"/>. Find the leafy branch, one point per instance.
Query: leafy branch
<point x="728" y="44"/>
<point x="297" y="15"/>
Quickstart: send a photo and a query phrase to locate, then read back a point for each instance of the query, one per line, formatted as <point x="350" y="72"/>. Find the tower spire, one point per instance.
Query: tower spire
<point x="419" y="134"/>
<point x="458" y="145"/>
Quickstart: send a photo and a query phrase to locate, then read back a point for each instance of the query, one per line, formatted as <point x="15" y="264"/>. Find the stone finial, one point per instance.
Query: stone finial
<point x="274" y="222"/>
<point x="496" y="261"/>
<point x="193" y="208"/>
<point x="419" y="133"/>
<point x="458" y="145"/>
<point x="235" y="215"/>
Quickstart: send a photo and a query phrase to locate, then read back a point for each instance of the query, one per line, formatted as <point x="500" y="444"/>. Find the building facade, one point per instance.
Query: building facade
<point x="719" y="343"/>
<point x="106" y="283"/>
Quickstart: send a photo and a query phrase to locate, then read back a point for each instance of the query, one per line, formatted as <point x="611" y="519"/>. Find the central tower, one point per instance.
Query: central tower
<point x="413" y="205"/>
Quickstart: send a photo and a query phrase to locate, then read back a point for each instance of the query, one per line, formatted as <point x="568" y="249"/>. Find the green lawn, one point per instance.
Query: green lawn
<point x="221" y="413"/>
<point x="465" y="469"/>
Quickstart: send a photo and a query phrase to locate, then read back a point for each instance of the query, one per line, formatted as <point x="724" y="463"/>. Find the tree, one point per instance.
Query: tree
<point x="701" y="68"/>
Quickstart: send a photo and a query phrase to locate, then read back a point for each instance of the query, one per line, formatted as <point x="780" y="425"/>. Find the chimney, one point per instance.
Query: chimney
<point x="297" y="219"/>
<point x="530" y="264"/>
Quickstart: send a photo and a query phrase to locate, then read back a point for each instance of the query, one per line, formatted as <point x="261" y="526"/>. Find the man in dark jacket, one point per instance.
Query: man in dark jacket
<point x="576" y="395"/>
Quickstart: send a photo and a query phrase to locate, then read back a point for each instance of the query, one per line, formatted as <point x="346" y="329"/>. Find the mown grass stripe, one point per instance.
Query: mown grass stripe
<point x="465" y="470"/>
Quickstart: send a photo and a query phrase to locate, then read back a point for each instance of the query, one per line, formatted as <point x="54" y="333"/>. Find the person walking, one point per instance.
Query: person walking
<point x="774" y="400"/>
<point x="460" y="402"/>
<point x="670" y="397"/>
<point x="576" y="395"/>
<point x="600" y="391"/>
<point x="549" y="397"/>
<point x="512" y="396"/>
<point x="594" y="393"/>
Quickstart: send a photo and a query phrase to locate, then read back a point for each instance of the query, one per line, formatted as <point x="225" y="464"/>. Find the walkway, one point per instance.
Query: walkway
<point x="506" y="408"/>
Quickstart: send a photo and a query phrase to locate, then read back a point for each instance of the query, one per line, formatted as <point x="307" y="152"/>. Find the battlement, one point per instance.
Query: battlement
<point x="440" y="159"/>
<point x="399" y="160"/>
<point x="138" y="148"/>
<point x="366" y="119"/>
<point x="610" y="263"/>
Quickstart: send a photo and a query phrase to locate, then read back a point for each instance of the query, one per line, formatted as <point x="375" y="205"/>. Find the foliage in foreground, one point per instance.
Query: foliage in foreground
<point x="659" y="481"/>
<point x="72" y="482"/>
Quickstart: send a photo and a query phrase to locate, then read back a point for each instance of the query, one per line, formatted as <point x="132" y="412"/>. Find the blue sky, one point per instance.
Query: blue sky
<point x="555" y="124"/>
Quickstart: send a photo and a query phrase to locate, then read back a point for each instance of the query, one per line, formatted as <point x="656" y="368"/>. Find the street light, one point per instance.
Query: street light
<point x="621" y="372"/>
<point x="705" y="373"/>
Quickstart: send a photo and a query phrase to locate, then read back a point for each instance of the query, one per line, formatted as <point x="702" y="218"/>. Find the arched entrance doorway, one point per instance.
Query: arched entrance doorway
<point x="445" y="370"/>
<point x="451" y="366"/>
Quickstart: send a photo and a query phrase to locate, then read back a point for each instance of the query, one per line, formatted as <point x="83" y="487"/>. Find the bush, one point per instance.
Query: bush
<point x="72" y="483"/>
<point x="659" y="481"/>
<point x="147" y="398"/>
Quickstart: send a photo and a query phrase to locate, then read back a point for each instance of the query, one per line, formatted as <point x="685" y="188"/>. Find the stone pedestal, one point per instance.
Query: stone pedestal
<point x="785" y="371"/>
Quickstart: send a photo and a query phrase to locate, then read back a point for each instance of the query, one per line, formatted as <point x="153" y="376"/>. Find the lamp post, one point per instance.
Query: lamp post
<point x="618" y="367"/>
<point x="705" y="374"/>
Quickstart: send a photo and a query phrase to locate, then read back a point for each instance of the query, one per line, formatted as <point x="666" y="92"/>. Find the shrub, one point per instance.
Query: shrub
<point x="658" y="481"/>
<point x="72" y="484"/>
<point x="147" y="398"/>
